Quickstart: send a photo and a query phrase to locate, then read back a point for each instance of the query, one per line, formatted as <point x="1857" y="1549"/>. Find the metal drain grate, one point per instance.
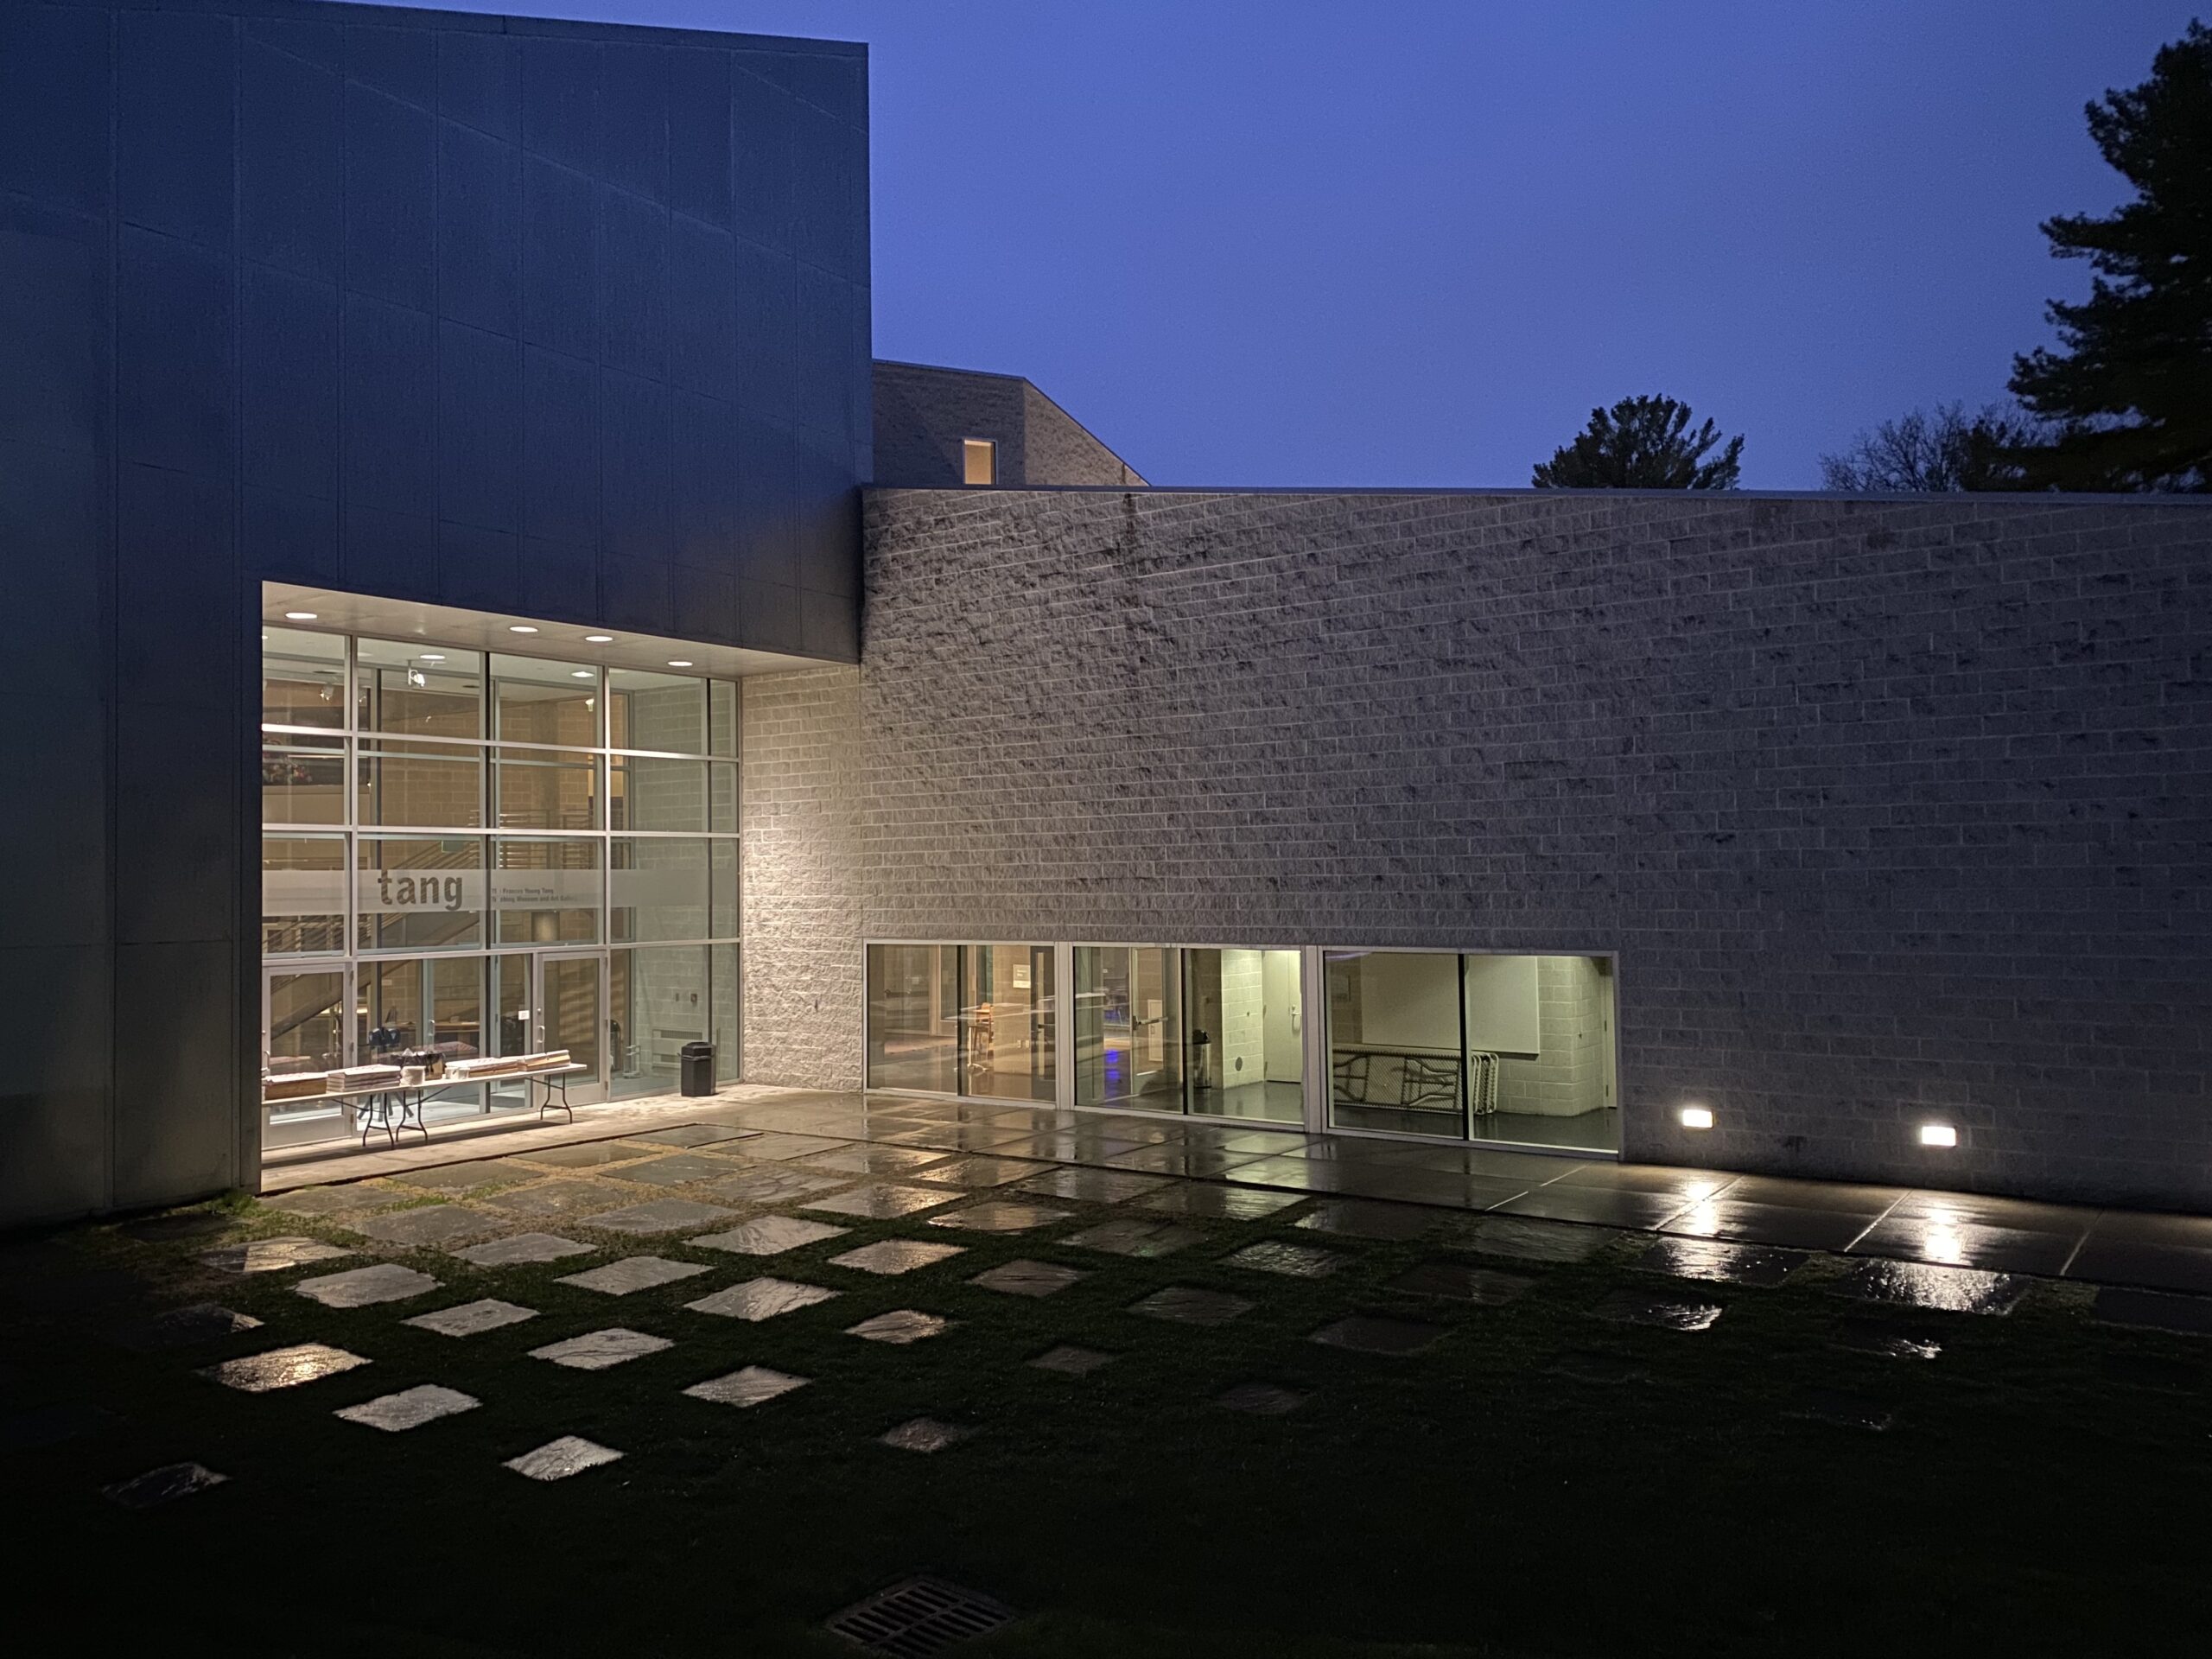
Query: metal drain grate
<point x="918" y="1618"/>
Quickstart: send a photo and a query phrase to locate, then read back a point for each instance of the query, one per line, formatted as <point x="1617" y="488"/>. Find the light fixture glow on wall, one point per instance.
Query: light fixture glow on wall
<point x="299" y="616"/>
<point x="1697" y="1117"/>
<point x="583" y="674"/>
<point x="434" y="656"/>
<point x="520" y="627"/>
<point x="1938" y="1135"/>
<point x="679" y="662"/>
<point x="598" y="639"/>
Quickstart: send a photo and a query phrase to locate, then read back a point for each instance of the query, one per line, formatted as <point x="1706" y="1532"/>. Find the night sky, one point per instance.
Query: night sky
<point x="1369" y="243"/>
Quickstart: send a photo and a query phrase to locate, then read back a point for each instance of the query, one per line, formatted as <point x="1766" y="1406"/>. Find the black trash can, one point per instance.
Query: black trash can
<point x="698" y="1068"/>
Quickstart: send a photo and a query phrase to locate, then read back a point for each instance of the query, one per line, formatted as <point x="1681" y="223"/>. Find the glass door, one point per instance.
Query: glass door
<point x="572" y="1014"/>
<point x="1245" y="1036"/>
<point x="306" y="1014"/>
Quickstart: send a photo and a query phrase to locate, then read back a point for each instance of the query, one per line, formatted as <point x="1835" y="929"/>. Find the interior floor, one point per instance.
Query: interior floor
<point x="1269" y="1102"/>
<point x="1598" y="1131"/>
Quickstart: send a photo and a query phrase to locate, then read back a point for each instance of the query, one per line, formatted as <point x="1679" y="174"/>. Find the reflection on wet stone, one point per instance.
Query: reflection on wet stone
<point x="1188" y="1305"/>
<point x="769" y="1236"/>
<point x="1226" y="1203"/>
<point x="900" y="1327"/>
<point x="471" y="1318"/>
<point x="881" y="1201"/>
<point x="696" y="1134"/>
<point x="1091" y="1185"/>
<point x="1367" y="1334"/>
<point x="1842" y="1410"/>
<point x="592" y="1155"/>
<point x="1143" y="1239"/>
<point x="1364" y="1218"/>
<point x="366" y="1287"/>
<point x="182" y="1327"/>
<point x="1291" y="1261"/>
<point x="872" y="1161"/>
<point x="1458" y="1282"/>
<point x="761" y="1299"/>
<point x="1261" y="1399"/>
<point x="631" y="1274"/>
<point x="1529" y="1239"/>
<point x="889" y="1256"/>
<point x="679" y="1170"/>
<point x="408" y="1408"/>
<point x="282" y="1368"/>
<point x="596" y="1350"/>
<point x="1631" y="1307"/>
<point x="162" y="1485"/>
<point x="271" y="1254"/>
<point x="1920" y="1284"/>
<point x="1072" y="1361"/>
<point x="775" y="1183"/>
<point x="660" y="1216"/>
<point x="521" y="1248"/>
<point x="776" y="1146"/>
<point x="557" y="1460"/>
<point x="556" y="1198"/>
<point x="1720" y="1263"/>
<point x="1021" y="1277"/>
<point x="925" y="1434"/>
<point x="750" y="1387"/>
<point x="1000" y="1216"/>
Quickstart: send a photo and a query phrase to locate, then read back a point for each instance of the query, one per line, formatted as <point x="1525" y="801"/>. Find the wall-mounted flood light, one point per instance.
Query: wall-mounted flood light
<point x="1697" y="1117"/>
<point x="1938" y="1135"/>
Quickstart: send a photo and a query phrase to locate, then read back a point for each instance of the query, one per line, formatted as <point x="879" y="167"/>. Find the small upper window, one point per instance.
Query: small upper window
<point x="980" y="460"/>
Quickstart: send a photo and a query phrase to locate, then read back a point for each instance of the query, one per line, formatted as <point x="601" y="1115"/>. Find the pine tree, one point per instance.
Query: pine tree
<point x="2130" y="393"/>
<point x="1642" y="443"/>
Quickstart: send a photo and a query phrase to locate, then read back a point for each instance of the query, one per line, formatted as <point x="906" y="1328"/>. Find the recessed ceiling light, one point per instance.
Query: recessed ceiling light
<point x="434" y="656"/>
<point x="1938" y="1135"/>
<point x="520" y="627"/>
<point x="1697" y="1117"/>
<point x="679" y="662"/>
<point x="583" y="674"/>
<point x="598" y="639"/>
<point x="299" y="616"/>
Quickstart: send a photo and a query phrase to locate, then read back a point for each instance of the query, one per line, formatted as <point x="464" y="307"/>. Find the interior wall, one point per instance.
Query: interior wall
<point x="1567" y="1075"/>
<point x="1286" y="1022"/>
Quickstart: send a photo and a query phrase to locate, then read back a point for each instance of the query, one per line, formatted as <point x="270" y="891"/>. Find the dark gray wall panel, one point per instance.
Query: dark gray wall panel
<point x="56" y="1096"/>
<point x="480" y="429"/>
<point x="56" y="104"/>
<point x="288" y="382"/>
<point x="291" y="122"/>
<point x="173" y="1094"/>
<point x="176" y="838"/>
<point x="635" y="486"/>
<point x="175" y="343"/>
<point x="479" y="83"/>
<point x="560" y="449"/>
<point x="402" y="61"/>
<point x="633" y="284"/>
<point x="707" y="491"/>
<point x="54" y="627"/>
<point x="176" y="590"/>
<point x="702" y="308"/>
<point x="480" y="230"/>
<point x="55" y="836"/>
<point x="634" y="118"/>
<point x="391" y="171"/>
<point x="286" y="538"/>
<point x="698" y="135"/>
<point x="391" y="391"/>
<point x="54" y="311"/>
<point x="173" y="76"/>
<point x="479" y="569"/>
<point x="560" y="259"/>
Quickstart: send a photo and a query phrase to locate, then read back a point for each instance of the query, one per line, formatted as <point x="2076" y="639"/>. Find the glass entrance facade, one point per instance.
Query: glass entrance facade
<point x="490" y="854"/>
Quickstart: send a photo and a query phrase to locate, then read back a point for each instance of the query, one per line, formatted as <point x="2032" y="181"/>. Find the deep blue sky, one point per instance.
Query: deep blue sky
<point x="1374" y="241"/>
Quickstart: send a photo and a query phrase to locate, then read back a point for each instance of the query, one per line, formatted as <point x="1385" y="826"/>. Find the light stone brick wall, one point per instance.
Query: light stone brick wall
<point x="1894" y="810"/>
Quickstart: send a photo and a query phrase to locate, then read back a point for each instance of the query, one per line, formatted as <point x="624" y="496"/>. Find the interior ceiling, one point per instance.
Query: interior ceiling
<point x="445" y="624"/>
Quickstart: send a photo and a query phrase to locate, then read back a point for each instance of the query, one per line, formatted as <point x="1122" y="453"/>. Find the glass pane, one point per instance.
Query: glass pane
<point x="722" y="800"/>
<point x="537" y="702"/>
<point x="302" y="894"/>
<point x="724" y="983"/>
<point x="546" y="789"/>
<point x="393" y="1010"/>
<point x="546" y="892"/>
<point x="302" y="679"/>
<point x="307" y="1014"/>
<point x="511" y="1011"/>
<point x="424" y="786"/>
<point x="913" y="1017"/>
<point x="1246" y="1052"/>
<point x="657" y="1002"/>
<point x="1395" y="1060"/>
<point x="651" y="794"/>
<point x="658" y="890"/>
<point x="1129" y="1033"/>
<point x="1006" y="1016"/>
<point x="656" y="711"/>
<point x="420" y="893"/>
<point x="721" y="718"/>
<point x="1539" y="1060"/>
<point x="572" y="1017"/>
<point x="723" y="918"/>
<point x="419" y="691"/>
<point x="303" y="786"/>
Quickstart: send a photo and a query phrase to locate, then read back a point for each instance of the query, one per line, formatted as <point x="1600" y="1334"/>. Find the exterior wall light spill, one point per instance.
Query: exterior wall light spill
<point x="582" y="674"/>
<point x="679" y="662"/>
<point x="1697" y="1117"/>
<point x="1938" y="1135"/>
<point x="434" y="656"/>
<point x="299" y="616"/>
<point x="520" y="627"/>
<point x="598" y="639"/>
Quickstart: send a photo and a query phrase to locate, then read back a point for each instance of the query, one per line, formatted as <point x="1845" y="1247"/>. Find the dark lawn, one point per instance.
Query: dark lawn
<point x="2036" y="1492"/>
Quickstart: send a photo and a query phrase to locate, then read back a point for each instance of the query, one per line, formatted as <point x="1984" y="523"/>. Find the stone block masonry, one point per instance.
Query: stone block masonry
<point x="1893" y="810"/>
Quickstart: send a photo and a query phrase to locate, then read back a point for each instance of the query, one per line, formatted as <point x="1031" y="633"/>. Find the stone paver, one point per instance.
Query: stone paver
<point x="768" y="1236"/>
<point x="776" y="1146"/>
<point x="1719" y="1263"/>
<point x="761" y="1299"/>
<point x="1000" y="1216"/>
<point x="1529" y="1239"/>
<point x="900" y="1327"/>
<point x="880" y="1201"/>
<point x="1026" y="1278"/>
<point x="1366" y="1219"/>
<point x="890" y="1256"/>
<point x="925" y="1434"/>
<point x="336" y="1200"/>
<point x="679" y="1169"/>
<point x="1261" y="1399"/>
<point x="977" y="1172"/>
<point x="282" y="1368"/>
<point x="387" y="1281"/>
<point x="1225" y="1203"/>
<point x="660" y="1216"/>
<point x="1093" y="1186"/>
<point x="776" y="1184"/>
<point x="1146" y="1240"/>
<point x="873" y="1159"/>
<point x="1279" y="1256"/>
<point x="162" y="1485"/>
<point x="521" y="1248"/>
<point x="409" y="1407"/>
<point x="1366" y="1333"/>
<point x="1461" y="1281"/>
<point x="472" y="1319"/>
<point x="592" y="1155"/>
<point x="459" y="1178"/>
<point x="1633" y="1307"/>
<point x="272" y="1255"/>
<point x="1188" y="1305"/>
<point x="753" y="1386"/>
<point x="430" y="1223"/>
<point x="557" y="1199"/>
<point x="1945" y="1290"/>
<point x="557" y="1460"/>
<point x="597" y="1350"/>
<point x="633" y="1274"/>
<point x="1071" y="1360"/>
<point x="182" y="1327"/>
<point x="697" y="1134"/>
